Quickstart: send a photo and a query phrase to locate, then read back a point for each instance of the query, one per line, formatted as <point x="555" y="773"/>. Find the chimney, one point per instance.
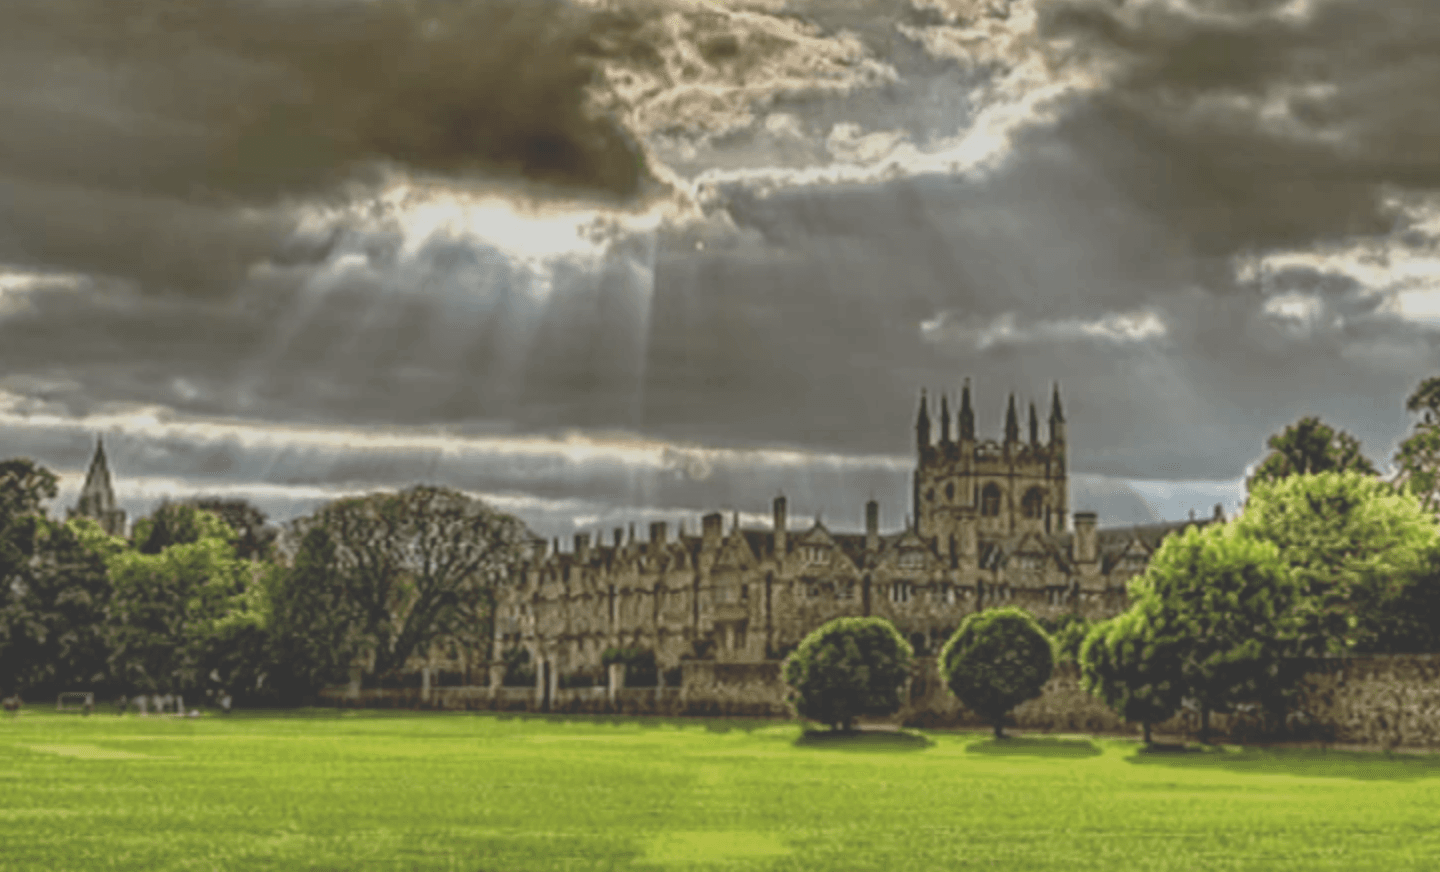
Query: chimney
<point x="657" y="534"/>
<point x="1219" y="513"/>
<point x="619" y="536"/>
<point x="582" y="547"/>
<point x="780" y="532"/>
<point x="710" y="530"/>
<point x="1084" y="537"/>
<point x="872" y="526"/>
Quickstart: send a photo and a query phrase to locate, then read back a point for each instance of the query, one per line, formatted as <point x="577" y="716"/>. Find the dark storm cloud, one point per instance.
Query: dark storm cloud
<point x="246" y="99"/>
<point x="1259" y="124"/>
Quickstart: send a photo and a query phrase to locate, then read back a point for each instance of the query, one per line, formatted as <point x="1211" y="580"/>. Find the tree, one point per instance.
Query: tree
<point x="1068" y="631"/>
<point x="1123" y="662"/>
<point x="168" y="606"/>
<point x="1418" y="457"/>
<point x="1357" y="551"/>
<point x="847" y="668"/>
<point x="996" y="660"/>
<point x="53" y="607"/>
<point x="402" y="571"/>
<point x="1220" y="602"/>
<point x="1307" y="447"/>
<point x="254" y="537"/>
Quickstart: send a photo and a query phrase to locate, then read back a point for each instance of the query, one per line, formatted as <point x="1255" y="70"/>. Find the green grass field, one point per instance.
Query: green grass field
<point x="370" y="790"/>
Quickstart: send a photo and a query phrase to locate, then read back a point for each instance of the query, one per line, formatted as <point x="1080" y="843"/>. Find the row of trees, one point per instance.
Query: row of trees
<point x="857" y="667"/>
<point x="205" y="596"/>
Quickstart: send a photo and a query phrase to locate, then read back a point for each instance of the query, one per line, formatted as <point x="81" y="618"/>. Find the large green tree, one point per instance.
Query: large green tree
<point x="169" y="605"/>
<point x="1357" y="551"/>
<point x="53" y="608"/>
<point x="1219" y="603"/>
<point x="1132" y="664"/>
<point x="1310" y="446"/>
<point x="400" y="572"/>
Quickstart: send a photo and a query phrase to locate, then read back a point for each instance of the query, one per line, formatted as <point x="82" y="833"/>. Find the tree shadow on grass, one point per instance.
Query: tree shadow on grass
<point x="863" y="740"/>
<point x="1035" y="746"/>
<point x="1303" y="762"/>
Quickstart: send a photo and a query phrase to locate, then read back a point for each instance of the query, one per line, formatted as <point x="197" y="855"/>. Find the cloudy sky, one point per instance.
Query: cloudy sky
<point x="603" y="260"/>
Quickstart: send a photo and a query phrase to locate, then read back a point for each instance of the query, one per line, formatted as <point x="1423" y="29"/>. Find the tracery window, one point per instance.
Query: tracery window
<point x="900" y="592"/>
<point x="912" y="558"/>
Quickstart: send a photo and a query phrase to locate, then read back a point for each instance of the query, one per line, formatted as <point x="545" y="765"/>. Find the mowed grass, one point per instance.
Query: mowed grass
<point x="371" y="790"/>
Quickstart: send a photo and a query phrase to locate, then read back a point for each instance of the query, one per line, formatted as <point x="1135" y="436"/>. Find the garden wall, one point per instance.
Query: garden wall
<point x="1388" y="701"/>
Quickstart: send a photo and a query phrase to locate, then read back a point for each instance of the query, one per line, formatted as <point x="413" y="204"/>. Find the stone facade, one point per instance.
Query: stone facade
<point x="992" y="526"/>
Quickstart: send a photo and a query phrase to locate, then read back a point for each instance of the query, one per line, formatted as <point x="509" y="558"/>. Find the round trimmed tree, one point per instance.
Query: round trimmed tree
<point x="847" y="668"/>
<point x="996" y="660"/>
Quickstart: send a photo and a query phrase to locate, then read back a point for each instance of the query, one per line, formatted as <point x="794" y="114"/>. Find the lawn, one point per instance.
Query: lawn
<point x="372" y="790"/>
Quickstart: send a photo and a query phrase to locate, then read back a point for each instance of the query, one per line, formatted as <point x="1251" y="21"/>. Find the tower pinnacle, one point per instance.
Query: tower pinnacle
<point x="1012" y="424"/>
<point x="922" y="424"/>
<point x="944" y="419"/>
<point x="967" y="416"/>
<point x="97" y="496"/>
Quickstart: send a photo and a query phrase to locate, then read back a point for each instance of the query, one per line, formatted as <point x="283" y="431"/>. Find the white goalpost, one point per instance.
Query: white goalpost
<point x="75" y="701"/>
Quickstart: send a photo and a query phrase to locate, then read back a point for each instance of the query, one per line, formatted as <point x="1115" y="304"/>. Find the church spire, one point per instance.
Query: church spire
<point x="97" y="496"/>
<point x="1034" y="426"/>
<point x="922" y="424"/>
<point x="1012" y="424"/>
<point x="967" y="417"/>
<point x="944" y="419"/>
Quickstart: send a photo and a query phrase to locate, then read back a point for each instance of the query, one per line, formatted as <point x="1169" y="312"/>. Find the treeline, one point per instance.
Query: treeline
<point x="206" y="597"/>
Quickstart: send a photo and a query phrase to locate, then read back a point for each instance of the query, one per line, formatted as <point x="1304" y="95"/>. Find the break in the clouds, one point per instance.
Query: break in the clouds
<point x="290" y="250"/>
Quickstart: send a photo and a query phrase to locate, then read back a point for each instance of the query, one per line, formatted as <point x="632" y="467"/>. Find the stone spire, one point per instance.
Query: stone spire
<point x="1012" y="424"/>
<point x="1034" y="426"/>
<point x="922" y="424"/>
<point x="967" y="417"/>
<point x="97" y="497"/>
<point x="944" y="419"/>
<point x="1057" y="417"/>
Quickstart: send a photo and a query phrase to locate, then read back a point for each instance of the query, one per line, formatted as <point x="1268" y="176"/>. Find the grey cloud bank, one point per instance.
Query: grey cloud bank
<point x="731" y="229"/>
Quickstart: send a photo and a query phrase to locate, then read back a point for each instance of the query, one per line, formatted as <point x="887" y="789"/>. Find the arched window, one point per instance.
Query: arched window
<point x="950" y="491"/>
<point x="1033" y="505"/>
<point x="990" y="500"/>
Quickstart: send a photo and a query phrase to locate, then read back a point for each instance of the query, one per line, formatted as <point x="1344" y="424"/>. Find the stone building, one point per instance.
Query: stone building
<point x="992" y="526"/>
<point x="97" y="497"/>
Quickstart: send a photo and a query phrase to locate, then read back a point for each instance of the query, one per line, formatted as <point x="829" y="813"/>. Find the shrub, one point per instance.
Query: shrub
<point x="847" y="668"/>
<point x="996" y="660"/>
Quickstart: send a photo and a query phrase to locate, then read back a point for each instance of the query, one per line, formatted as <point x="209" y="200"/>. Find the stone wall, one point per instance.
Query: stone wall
<point x="1381" y="701"/>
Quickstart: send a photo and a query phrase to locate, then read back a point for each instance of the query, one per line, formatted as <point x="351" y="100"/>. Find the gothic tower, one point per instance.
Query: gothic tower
<point x="97" y="497"/>
<point x="988" y="488"/>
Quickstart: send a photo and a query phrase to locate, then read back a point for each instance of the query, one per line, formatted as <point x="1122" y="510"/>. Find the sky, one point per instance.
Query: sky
<point x="612" y="261"/>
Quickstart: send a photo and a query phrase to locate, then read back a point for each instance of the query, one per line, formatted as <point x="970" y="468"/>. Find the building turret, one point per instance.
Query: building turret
<point x="944" y="420"/>
<point x="872" y="526"/>
<point x="1012" y="423"/>
<point x="967" y="417"/>
<point x="1034" y="426"/>
<point x="1057" y="418"/>
<point x="97" y="496"/>
<point x="922" y="425"/>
